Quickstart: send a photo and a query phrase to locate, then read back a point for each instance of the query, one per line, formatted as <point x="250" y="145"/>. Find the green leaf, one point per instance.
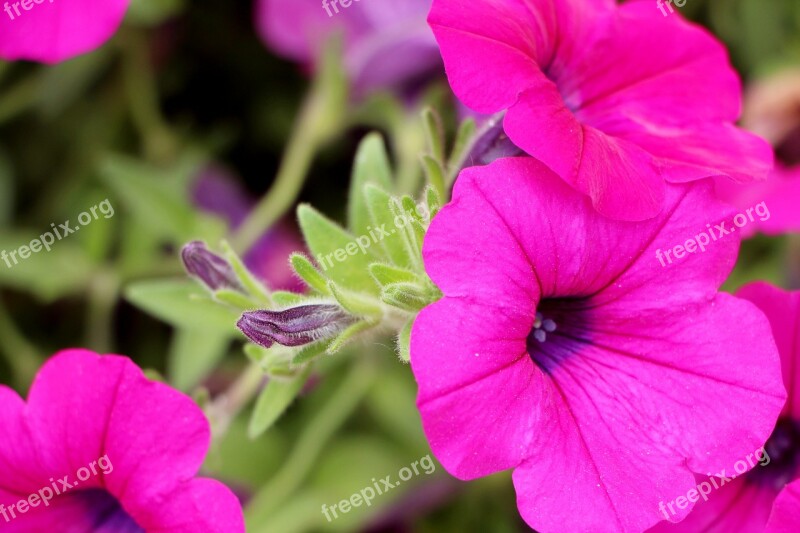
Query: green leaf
<point x="235" y="299"/>
<point x="404" y="342"/>
<point x="434" y="202"/>
<point x="309" y="273"/>
<point x="336" y="250"/>
<point x="193" y="355"/>
<point x="464" y="135"/>
<point x="378" y="203"/>
<point x="274" y="400"/>
<point x="387" y="274"/>
<point x="435" y="174"/>
<point x="411" y="233"/>
<point x="182" y="304"/>
<point x="349" y="334"/>
<point x="63" y="271"/>
<point x="371" y="166"/>
<point x="310" y="352"/>
<point x="407" y="296"/>
<point x="157" y="199"/>
<point x="355" y="303"/>
<point x="288" y="299"/>
<point x="251" y="284"/>
<point x="434" y="133"/>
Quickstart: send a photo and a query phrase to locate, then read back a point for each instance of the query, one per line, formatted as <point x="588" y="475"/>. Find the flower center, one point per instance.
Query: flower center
<point x="541" y="327"/>
<point x="783" y="452"/>
<point x="561" y="328"/>
<point x="107" y="513"/>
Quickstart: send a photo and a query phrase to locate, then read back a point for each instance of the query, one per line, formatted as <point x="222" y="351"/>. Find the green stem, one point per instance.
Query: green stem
<point x="227" y="406"/>
<point x="142" y="91"/>
<point x="288" y="183"/>
<point x="22" y="356"/>
<point x="103" y="294"/>
<point x="321" y="118"/>
<point x="312" y="441"/>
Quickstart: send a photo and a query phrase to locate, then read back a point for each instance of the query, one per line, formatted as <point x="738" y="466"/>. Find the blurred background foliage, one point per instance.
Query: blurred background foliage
<point x="184" y="84"/>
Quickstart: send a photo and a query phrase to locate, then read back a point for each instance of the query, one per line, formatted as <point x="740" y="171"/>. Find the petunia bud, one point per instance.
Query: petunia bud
<point x="296" y="326"/>
<point x="492" y="143"/>
<point x="214" y="271"/>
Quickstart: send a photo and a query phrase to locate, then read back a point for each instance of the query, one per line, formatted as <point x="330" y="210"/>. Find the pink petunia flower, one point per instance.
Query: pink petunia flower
<point x="100" y="448"/>
<point x="51" y="31"/>
<point x="785" y="516"/>
<point x="745" y="503"/>
<point x="617" y="100"/>
<point x="387" y="44"/>
<point x="563" y="349"/>
<point x="780" y="194"/>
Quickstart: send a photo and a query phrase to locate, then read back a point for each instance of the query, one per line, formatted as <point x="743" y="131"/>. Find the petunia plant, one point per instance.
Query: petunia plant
<point x="362" y="281"/>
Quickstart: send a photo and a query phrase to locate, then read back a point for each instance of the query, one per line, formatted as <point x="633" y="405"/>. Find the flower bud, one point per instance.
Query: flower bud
<point x="296" y="326"/>
<point x="214" y="271"/>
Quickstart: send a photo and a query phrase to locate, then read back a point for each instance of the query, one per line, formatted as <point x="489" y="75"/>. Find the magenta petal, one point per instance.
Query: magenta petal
<point x="476" y="375"/>
<point x="783" y="311"/>
<point x="779" y="194"/>
<point x="735" y="506"/>
<point x="56" y="30"/>
<point x="785" y="517"/>
<point x="199" y="505"/>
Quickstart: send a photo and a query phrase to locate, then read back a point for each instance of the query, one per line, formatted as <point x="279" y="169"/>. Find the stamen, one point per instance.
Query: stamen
<point x="542" y="326"/>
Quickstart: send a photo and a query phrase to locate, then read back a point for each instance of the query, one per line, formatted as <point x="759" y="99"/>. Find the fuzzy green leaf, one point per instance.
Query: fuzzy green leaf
<point x="378" y="202"/>
<point x="387" y="274"/>
<point x="336" y="250"/>
<point x="348" y="335"/>
<point x="404" y="342"/>
<point x="276" y="397"/>
<point x="309" y="273"/>
<point x="355" y="303"/>
<point x="371" y="166"/>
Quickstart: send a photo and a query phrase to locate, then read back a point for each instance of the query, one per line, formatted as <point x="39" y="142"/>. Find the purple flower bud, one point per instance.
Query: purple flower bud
<point x="296" y="326"/>
<point x="492" y="143"/>
<point x="214" y="271"/>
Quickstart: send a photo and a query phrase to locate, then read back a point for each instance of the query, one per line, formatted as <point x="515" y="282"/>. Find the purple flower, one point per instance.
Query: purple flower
<point x="387" y="43"/>
<point x="214" y="271"/>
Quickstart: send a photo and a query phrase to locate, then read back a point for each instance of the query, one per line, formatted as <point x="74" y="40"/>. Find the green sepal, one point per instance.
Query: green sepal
<point x="273" y="401"/>
<point x="378" y="202"/>
<point x="371" y="166"/>
<point x="387" y="274"/>
<point x="355" y="303"/>
<point x="404" y="342"/>
<point x="326" y="239"/>
<point x="309" y="273"/>
<point x="348" y="335"/>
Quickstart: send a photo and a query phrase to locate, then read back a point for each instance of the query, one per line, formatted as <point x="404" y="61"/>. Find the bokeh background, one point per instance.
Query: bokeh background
<point x="181" y="121"/>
